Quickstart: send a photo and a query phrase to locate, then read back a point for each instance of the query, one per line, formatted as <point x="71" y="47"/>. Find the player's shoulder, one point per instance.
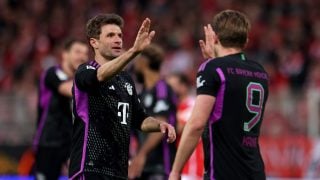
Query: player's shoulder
<point x="51" y="70"/>
<point x="55" y="71"/>
<point x="90" y="65"/>
<point x="256" y="65"/>
<point x="212" y="63"/>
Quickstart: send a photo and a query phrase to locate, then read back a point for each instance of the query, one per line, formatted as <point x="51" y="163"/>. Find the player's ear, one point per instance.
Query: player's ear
<point x="94" y="43"/>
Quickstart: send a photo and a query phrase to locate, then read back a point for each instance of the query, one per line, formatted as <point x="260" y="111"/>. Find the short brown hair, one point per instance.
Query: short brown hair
<point x="93" y="28"/>
<point x="232" y="28"/>
<point x="70" y="42"/>
<point x="154" y="55"/>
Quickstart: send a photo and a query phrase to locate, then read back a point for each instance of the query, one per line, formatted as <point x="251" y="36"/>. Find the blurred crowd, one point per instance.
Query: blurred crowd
<point x="285" y="38"/>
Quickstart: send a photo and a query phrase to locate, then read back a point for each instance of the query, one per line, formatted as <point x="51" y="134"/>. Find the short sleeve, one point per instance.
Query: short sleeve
<point x="208" y="80"/>
<point x="54" y="77"/>
<point x="86" y="77"/>
<point x="139" y="113"/>
<point x="164" y="106"/>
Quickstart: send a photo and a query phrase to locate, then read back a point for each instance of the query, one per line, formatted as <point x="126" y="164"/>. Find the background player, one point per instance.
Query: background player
<point x="53" y="135"/>
<point x="106" y="105"/>
<point x="193" y="168"/>
<point x="231" y="96"/>
<point x="155" y="157"/>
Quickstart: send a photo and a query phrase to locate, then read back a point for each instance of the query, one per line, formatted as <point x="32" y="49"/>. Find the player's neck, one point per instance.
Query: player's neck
<point x="221" y="52"/>
<point x="101" y="59"/>
<point x="151" y="78"/>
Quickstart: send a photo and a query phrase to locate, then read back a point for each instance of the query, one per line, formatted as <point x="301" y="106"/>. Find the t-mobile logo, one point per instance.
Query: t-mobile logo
<point x="123" y="109"/>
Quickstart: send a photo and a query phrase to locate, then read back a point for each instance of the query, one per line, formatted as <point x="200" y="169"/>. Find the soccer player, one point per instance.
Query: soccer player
<point x="231" y="95"/>
<point x="106" y="105"/>
<point x="53" y="136"/>
<point x="155" y="157"/>
<point x="193" y="168"/>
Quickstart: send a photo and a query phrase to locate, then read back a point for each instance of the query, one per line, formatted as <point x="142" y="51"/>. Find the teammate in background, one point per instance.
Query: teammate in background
<point x="106" y="105"/>
<point x="53" y="136"/>
<point x="231" y="95"/>
<point x="193" y="169"/>
<point x="155" y="157"/>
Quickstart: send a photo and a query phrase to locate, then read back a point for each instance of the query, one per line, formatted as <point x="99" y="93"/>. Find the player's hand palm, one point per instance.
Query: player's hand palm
<point x="207" y="46"/>
<point x="144" y="37"/>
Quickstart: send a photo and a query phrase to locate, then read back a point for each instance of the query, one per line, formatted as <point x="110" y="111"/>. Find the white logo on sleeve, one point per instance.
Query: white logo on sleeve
<point x="161" y="105"/>
<point x="129" y="88"/>
<point x="147" y="100"/>
<point x="90" y="67"/>
<point x="112" y="87"/>
<point x="61" y="75"/>
<point x="199" y="82"/>
<point x="123" y="109"/>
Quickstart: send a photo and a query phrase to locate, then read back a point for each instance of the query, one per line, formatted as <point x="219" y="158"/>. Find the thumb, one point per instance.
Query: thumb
<point x="151" y="35"/>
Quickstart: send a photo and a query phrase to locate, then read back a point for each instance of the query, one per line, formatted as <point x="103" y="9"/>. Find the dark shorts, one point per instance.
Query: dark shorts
<point x="49" y="162"/>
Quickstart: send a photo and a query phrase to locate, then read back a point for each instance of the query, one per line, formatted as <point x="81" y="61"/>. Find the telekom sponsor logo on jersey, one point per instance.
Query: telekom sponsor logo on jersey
<point x="123" y="113"/>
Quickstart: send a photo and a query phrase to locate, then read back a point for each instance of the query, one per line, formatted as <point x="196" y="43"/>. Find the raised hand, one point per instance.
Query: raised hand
<point x="207" y="46"/>
<point x="144" y="36"/>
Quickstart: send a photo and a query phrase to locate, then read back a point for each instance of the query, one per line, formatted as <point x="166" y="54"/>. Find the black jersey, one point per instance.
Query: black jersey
<point x="231" y="137"/>
<point x="54" y="111"/>
<point x="160" y="101"/>
<point x="104" y="113"/>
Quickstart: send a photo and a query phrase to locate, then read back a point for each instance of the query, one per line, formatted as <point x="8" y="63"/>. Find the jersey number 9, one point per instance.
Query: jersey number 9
<point x="254" y="106"/>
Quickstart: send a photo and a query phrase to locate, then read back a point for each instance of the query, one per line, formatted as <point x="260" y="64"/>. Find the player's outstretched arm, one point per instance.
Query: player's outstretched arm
<point x="151" y="124"/>
<point x="192" y="133"/>
<point x="143" y="39"/>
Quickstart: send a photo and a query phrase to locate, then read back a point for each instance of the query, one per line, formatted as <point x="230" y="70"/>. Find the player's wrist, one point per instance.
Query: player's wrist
<point x="175" y="175"/>
<point x="134" y="50"/>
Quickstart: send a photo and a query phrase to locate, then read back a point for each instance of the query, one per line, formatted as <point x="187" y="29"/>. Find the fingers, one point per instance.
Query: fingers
<point x="145" y="26"/>
<point x="207" y="45"/>
<point x="209" y="34"/>
<point x="206" y="34"/>
<point x="202" y="47"/>
<point x="163" y="128"/>
<point x="171" y="134"/>
<point x="151" y="35"/>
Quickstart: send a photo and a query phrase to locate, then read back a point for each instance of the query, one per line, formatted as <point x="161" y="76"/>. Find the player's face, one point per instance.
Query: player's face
<point x="77" y="55"/>
<point x="109" y="44"/>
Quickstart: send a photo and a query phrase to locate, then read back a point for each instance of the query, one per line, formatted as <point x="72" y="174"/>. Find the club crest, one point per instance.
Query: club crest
<point x="129" y="88"/>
